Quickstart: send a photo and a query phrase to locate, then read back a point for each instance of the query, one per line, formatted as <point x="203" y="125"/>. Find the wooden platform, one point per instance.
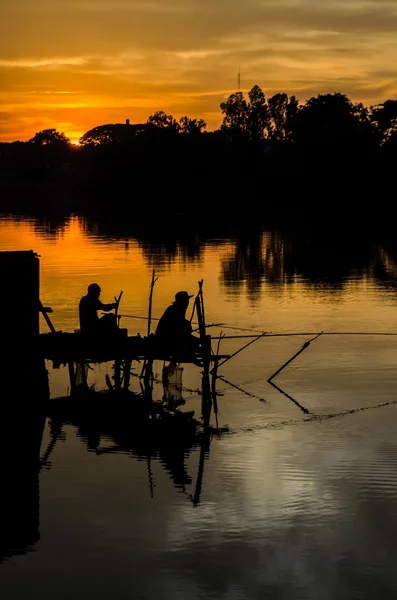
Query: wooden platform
<point x="63" y="348"/>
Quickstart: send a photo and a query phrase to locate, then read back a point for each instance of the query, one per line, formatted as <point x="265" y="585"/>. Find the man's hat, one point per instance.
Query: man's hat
<point x="182" y="296"/>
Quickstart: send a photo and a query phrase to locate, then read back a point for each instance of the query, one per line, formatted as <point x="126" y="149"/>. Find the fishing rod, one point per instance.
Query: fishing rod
<point x="137" y="317"/>
<point x="195" y="323"/>
<point x="235" y="337"/>
<point x="155" y="319"/>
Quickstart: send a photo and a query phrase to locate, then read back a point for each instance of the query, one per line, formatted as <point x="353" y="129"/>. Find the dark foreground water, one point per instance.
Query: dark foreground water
<point x="296" y="497"/>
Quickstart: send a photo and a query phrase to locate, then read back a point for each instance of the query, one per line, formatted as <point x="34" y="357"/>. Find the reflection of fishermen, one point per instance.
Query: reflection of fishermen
<point x="174" y="331"/>
<point x="90" y="323"/>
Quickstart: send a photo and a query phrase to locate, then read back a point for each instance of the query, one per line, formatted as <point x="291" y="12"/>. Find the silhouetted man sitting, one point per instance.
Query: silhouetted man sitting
<point x="173" y="334"/>
<point x="90" y="324"/>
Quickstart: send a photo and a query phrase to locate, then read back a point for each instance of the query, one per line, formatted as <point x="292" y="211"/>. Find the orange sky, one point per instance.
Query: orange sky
<point x="75" y="64"/>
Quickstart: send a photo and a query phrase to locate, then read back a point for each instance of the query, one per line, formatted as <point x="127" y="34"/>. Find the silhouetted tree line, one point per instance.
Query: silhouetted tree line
<point x="271" y="157"/>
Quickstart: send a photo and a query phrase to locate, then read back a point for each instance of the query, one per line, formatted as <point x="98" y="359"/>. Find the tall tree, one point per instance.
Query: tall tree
<point x="282" y="112"/>
<point x="235" y="113"/>
<point x="260" y="118"/>
<point x="257" y="114"/>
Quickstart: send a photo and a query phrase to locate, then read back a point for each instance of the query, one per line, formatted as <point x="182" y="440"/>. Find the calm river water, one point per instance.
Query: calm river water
<point x="298" y="498"/>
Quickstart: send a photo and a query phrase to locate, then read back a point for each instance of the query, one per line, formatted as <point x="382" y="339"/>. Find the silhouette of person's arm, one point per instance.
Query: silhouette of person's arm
<point x="106" y="307"/>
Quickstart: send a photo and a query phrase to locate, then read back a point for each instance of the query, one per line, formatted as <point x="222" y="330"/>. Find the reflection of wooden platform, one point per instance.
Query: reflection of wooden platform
<point x="135" y="414"/>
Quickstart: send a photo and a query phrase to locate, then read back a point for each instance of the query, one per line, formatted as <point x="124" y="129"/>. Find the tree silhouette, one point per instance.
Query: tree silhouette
<point x="331" y="119"/>
<point x="191" y="126"/>
<point x="257" y="114"/>
<point x="49" y="137"/>
<point x="111" y="134"/>
<point x="163" y="121"/>
<point x="235" y="114"/>
<point x="259" y="118"/>
<point x="384" y="116"/>
<point x="264" y="143"/>
<point x="282" y="113"/>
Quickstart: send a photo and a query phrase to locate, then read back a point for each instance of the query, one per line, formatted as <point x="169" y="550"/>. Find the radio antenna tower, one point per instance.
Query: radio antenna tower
<point x="238" y="80"/>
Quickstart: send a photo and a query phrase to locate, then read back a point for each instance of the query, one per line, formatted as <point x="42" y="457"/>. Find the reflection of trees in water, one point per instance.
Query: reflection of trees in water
<point x="274" y="256"/>
<point x="324" y="257"/>
<point x="256" y="258"/>
<point x="161" y="246"/>
<point x="385" y="264"/>
<point x="316" y="257"/>
<point x="160" y="255"/>
<point x="50" y="226"/>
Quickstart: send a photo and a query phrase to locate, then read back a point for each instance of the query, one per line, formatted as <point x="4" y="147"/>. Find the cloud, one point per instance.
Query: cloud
<point x="184" y="55"/>
<point x="36" y="63"/>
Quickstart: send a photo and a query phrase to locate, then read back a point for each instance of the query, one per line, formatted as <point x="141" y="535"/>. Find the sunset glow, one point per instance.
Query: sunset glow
<point x="73" y="65"/>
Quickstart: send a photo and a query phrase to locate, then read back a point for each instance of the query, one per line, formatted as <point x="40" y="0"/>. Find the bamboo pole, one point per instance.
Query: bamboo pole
<point x="150" y="475"/>
<point x="72" y="377"/>
<point x="206" y="406"/>
<point x="126" y="373"/>
<point x="240" y="350"/>
<point x="205" y="339"/>
<point x="150" y="301"/>
<point x="147" y="362"/>
<point x="118" y="317"/>
<point x="214" y="373"/>
<point x="305" y="345"/>
<point x="117" y="374"/>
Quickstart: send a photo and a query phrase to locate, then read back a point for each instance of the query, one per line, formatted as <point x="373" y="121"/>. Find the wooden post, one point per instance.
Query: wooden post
<point x="206" y="406"/>
<point x="20" y="336"/>
<point x="72" y="377"/>
<point x="147" y="364"/>
<point x="150" y="302"/>
<point x="84" y="369"/>
<point x="127" y="373"/>
<point x="213" y="388"/>
<point x="117" y="374"/>
<point x="205" y="339"/>
<point x="117" y="308"/>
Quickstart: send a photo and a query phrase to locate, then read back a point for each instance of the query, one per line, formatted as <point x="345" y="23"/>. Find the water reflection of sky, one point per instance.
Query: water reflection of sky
<point x="303" y="511"/>
<point x="293" y="504"/>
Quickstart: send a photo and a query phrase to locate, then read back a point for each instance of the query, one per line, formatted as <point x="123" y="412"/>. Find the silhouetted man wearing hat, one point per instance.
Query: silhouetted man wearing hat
<point x="174" y="332"/>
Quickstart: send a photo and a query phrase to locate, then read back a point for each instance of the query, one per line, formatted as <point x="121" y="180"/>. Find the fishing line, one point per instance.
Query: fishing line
<point x="232" y="385"/>
<point x="316" y="418"/>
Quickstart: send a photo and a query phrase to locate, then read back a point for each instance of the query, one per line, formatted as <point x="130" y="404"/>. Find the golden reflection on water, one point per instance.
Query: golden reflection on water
<point x="287" y="497"/>
<point x="244" y="285"/>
